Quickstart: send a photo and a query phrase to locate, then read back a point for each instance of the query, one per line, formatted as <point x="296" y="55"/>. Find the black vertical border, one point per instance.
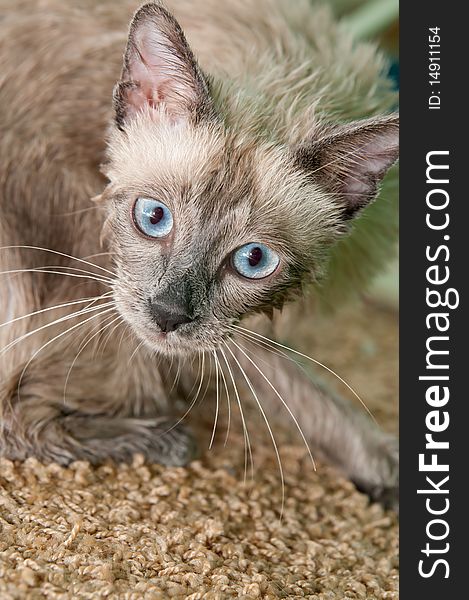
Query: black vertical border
<point x="424" y="130"/>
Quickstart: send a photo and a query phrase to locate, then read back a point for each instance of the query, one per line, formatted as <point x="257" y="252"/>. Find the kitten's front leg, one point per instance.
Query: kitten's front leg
<point x="90" y="425"/>
<point x="341" y="433"/>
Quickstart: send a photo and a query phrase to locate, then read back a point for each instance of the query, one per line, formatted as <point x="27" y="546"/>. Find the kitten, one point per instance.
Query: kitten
<point x="227" y="189"/>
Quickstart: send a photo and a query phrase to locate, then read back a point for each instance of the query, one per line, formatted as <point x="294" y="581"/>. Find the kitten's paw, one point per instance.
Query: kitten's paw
<point x="170" y="444"/>
<point x="162" y="440"/>
<point x="382" y="484"/>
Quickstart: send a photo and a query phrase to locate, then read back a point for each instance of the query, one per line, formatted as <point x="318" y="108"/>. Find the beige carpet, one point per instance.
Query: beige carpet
<point x="141" y="531"/>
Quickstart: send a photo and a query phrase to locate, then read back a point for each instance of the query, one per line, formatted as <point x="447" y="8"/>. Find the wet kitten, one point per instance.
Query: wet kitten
<point x="227" y="187"/>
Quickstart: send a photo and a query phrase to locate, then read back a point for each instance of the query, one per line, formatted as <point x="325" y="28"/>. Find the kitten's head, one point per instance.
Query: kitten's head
<point x="209" y="223"/>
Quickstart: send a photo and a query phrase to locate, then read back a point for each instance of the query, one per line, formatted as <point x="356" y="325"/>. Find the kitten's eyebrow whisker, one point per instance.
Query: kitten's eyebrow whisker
<point x="57" y="306"/>
<point x="76" y="212"/>
<point x="313" y="360"/>
<point x="266" y="420"/>
<point x="247" y="441"/>
<point x="277" y="393"/>
<point x="81" y="260"/>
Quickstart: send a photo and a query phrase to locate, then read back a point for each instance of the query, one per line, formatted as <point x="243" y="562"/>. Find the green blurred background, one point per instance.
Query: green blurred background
<point x="377" y="20"/>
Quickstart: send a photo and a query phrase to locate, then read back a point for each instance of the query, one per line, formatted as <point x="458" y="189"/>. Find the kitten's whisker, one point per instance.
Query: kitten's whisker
<point x="99" y="254"/>
<point x="218" y="402"/>
<point x="76" y="212"/>
<point x="57" y="306"/>
<point x="247" y="441"/>
<point x="176" y="377"/>
<point x="121" y="339"/>
<point x="78" y="270"/>
<point x="313" y="360"/>
<point x="265" y="346"/>
<point x="276" y="392"/>
<point x="65" y="274"/>
<point x="228" y="401"/>
<point x="83" y="345"/>
<point x="81" y="260"/>
<point x="130" y="335"/>
<point x="193" y="402"/>
<point x="272" y="350"/>
<point x="55" y="322"/>
<point x="102" y="345"/>
<point x="57" y="337"/>
<point x="209" y="379"/>
<point x="198" y="371"/>
<point x="266" y="420"/>
<point x="137" y="348"/>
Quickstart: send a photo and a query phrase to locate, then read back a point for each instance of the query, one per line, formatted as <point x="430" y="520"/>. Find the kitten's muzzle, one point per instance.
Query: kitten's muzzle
<point x="169" y="318"/>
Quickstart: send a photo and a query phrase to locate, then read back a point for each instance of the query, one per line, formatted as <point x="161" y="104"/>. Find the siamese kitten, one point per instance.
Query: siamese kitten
<point x="224" y="170"/>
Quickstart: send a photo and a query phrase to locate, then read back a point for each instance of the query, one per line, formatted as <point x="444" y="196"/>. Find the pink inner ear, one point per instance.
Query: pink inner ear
<point x="159" y="73"/>
<point x="366" y="164"/>
<point x="136" y="101"/>
<point x="373" y="157"/>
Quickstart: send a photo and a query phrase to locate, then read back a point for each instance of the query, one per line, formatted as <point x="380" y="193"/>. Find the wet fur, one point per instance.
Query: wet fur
<point x="253" y="159"/>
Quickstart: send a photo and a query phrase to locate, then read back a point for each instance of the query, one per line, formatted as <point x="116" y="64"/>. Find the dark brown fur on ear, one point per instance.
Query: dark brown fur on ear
<point x="350" y="161"/>
<point x="160" y="70"/>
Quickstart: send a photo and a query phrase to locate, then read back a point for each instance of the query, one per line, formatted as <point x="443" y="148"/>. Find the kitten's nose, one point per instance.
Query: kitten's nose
<point x="168" y="319"/>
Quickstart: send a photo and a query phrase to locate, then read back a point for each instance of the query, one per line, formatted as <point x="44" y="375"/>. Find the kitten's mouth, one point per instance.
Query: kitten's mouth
<point x="169" y="342"/>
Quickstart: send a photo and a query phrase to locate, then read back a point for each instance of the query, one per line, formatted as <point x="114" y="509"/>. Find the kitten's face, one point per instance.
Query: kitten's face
<point x="208" y="224"/>
<point x="206" y="229"/>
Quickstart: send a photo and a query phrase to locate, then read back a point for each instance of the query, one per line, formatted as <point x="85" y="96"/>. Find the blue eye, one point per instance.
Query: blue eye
<point x="255" y="261"/>
<point x="152" y="217"/>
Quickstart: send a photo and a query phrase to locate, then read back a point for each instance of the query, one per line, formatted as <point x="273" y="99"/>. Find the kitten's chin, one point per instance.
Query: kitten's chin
<point x="169" y="344"/>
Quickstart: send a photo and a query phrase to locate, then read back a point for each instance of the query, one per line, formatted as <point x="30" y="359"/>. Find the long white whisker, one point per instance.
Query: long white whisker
<point x="209" y="378"/>
<point x="276" y="392"/>
<point x="121" y="339"/>
<point x="83" y="346"/>
<point x="198" y="371"/>
<point x="55" y="322"/>
<point x="228" y="401"/>
<point x="137" y="348"/>
<point x="266" y="420"/>
<point x="77" y="270"/>
<point x="42" y="270"/>
<point x="193" y="402"/>
<point x="57" y="306"/>
<point x="218" y="402"/>
<point x="176" y="377"/>
<point x="81" y="260"/>
<point x="105" y="341"/>
<point x="313" y="360"/>
<point x="44" y="346"/>
<point x="247" y="441"/>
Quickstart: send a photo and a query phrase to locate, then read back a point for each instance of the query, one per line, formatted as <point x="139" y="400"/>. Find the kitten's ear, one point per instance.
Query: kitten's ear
<point x="160" y="71"/>
<point x="351" y="160"/>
